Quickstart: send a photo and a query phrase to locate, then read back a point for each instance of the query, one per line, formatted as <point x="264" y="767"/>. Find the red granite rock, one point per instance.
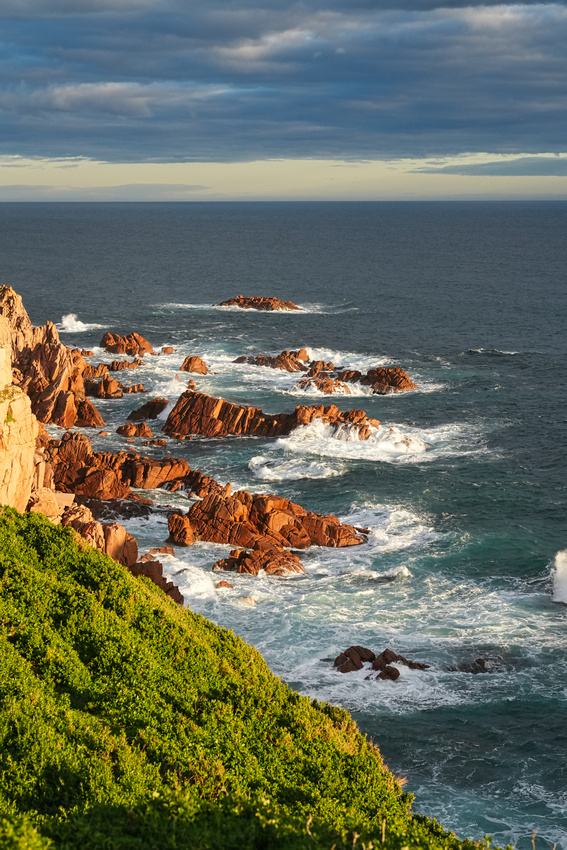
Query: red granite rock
<point x="274" y="560"/>
<point x="197" y="413"/>
<point x="180" y="530"/>
<point x="289" y="361"/>
<point x="257" y="302"/>
<point x="141" y="429"/>
<point x="119" y="365"/>
<point x="192" y="363"/>
<point x="132" y="344"/>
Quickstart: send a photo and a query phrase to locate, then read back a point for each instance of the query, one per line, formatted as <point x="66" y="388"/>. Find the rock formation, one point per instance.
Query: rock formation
<point x="18" y="432"/>
<point x="197" y="413"/>
<point x="192" y="363"/>
<point x="106" y="475"/>
<point x="274" y="560"/>
<point x="246" y="519"/>
<point x="132" y="344"/>
<point x="50" y="373"/>
<point x="289" y="361"/>
<point x="257" y="302"/>
<point x="151" y="568"/>
<point x="142" y="429"/>
<point x="355" y="657"/>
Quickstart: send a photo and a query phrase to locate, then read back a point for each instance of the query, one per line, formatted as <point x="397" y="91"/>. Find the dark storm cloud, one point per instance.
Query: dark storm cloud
<point x="140" y="79"/>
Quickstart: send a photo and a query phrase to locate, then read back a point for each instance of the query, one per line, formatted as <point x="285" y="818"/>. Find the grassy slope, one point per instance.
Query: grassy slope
<point x="127" y="722"/>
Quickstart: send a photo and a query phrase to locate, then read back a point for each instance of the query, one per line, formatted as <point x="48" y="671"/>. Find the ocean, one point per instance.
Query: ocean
<point x="464" y="496"/>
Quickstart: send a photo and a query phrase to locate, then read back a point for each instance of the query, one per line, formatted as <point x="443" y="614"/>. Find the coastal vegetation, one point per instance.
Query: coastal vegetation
<point x="129" y="722"/>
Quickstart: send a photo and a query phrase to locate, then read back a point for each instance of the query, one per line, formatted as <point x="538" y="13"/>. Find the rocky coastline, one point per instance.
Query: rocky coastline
<point x="46" y="382"/>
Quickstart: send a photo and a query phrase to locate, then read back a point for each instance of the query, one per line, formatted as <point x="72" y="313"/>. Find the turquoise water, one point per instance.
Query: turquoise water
<point x="465" y="497"/>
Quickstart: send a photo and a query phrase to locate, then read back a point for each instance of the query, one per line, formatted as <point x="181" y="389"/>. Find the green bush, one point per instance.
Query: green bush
<point x="127" y="722"/>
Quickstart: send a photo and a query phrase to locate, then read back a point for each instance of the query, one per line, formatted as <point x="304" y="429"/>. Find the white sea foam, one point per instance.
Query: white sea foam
<point x="560" y="577"/>
<point x="277" y="469"/>
<point x="71" y="324"/>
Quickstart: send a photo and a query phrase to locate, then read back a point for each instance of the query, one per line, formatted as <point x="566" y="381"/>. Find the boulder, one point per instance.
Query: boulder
<point x="120" y="545"/>
<point x="180" y="530"/>
<point x="132" y="344"/>
<point x="223" y="584"/>
<point x="353" y="658"/>
<point x="141" y="429"/>
<point x="153" y="570"/>
<point x="324" y="384"/>
<point x="192" y="363"/>
<point x="167" y="349"/>
<point x="257" y="302"/>
<point x="119" y="365"/>
<point x="274" y="560"/>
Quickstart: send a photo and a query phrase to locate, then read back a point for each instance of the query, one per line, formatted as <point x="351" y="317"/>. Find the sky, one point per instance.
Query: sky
<point x="178" y="100"/>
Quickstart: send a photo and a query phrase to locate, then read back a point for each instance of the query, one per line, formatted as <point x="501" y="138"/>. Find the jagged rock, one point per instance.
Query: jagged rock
<point x="132" y="344"/>
<point x="142" y="429"/>
<point x="197" y="413"/>
<point x="244" y="519"/>
<point x="324" y="384"/>
<point x="108" y="509"/>
<point x="274" y="560"/>
<point x="289" y="361"/>
<point x="107" y="388"/>
<point x="93" y="373"/>
<point x="134" y="388"/>
<point x="163" y="550"/>
<point x="43" y="501"/>
<point x="80" y="518"/>
<point x="150" y="410"/>
<point x="382" y="380"/>
<point x="85" y="352"/>
<point x="180" y="530"/>
<point x="87" y="415"/>
<point x="192" y="363"/>
<point x="159" y="442"/>
<point x="50" y="373"/>
<point x="119" y="365"/>
<point x="388" y="657"/>
<point x="353" y="658"/>
<point x="387" y="672"/>
<point x="257" y="302"/>
<point x="154" y="570"/>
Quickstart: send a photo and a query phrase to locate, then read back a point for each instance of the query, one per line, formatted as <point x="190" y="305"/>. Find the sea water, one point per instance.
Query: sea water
<point x="462" y="487"/>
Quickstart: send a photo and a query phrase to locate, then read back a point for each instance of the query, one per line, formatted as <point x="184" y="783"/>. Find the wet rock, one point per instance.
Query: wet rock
<point x="223" y="584"/>
<point x="150" y="410"/>
<point x="134" y="388"/>
<point x="132" y="344"/>
<point x="94" y="373"/>
<point x="244" y="519"/>
<point x="353" y="658"/>
<point x="274" y="560"/>
<point x="289" y="361"/>
<point x="167" y="349"/>
<point x="197" y="413"/>
<point x="106" y="388"/>
<point x="324" y="384"/>
<point x="119" y="365"/>
<point x="390" y="673"/>
<point x="192" y="363"/>
<point x="163" y="550"/>
<point x="256" y="302"/>
<point x="388" y="657"/>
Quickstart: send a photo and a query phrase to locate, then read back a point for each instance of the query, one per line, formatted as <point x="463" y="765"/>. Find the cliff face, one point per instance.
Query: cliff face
<point x="18" y="432"/>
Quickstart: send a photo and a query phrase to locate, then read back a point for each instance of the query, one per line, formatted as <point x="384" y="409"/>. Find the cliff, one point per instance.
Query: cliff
<point x="18" y="432"/>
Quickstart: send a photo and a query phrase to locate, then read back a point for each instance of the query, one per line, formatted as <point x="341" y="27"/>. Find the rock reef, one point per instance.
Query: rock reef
<point x="258" y="302"/>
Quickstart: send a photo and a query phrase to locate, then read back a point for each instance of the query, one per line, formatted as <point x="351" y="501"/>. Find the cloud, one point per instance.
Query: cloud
<point x="145" y="80"/>
<point x="127" y="192"/>
<point x="525" y="166"/>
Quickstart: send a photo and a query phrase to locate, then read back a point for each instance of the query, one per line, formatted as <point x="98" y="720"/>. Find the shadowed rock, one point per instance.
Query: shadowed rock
<point x="257" y="302"/>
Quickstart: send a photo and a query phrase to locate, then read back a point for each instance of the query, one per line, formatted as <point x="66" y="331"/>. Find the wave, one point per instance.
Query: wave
<point x="275" y="469"/>
<point x="560" y="577"/>
<point x="496" y="352"/>
<point x="389" y="443"/>
<point x="322" y="309"/>
<point x="71" y="324"/>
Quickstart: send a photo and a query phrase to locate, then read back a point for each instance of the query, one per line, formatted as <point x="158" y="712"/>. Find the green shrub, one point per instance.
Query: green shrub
<point x="127" y="722"/>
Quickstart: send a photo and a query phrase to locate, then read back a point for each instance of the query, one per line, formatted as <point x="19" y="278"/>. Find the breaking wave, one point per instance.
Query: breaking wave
<point x="560" y="577"/>
<point x="71" y="324"/>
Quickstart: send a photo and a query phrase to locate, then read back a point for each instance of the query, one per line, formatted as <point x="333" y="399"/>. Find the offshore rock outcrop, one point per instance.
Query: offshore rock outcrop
<point x="289" y="361"/>
<point x="355" y="657"/>
<point x="197" y="413"/>
<point x="258" y="521"/>
<point x="327" y="378"/>
<point x="272" y="559"/>
<point x="193" y="363"/>
<point x="50" y="373"/>
<point x="258" y="302"/>
<point x="132" y="344"/>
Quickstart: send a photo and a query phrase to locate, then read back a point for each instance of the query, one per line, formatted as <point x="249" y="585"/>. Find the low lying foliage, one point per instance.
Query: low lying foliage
<point x="129" y="723"/>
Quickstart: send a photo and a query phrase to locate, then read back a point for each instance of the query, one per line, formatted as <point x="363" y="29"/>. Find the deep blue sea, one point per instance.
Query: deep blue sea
<point x="465" y="497"/>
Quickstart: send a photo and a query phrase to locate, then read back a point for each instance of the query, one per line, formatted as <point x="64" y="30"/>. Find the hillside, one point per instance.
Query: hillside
<point x="127" y="722"/>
